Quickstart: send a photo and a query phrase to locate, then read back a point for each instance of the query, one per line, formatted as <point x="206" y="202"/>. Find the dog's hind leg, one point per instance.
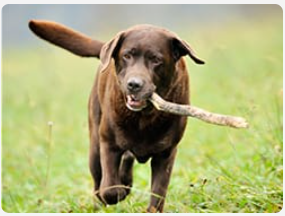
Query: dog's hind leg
<point x="126" y="170"/>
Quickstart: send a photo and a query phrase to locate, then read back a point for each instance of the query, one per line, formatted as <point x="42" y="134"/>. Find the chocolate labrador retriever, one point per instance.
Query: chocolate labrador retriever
<point x="123" y="124"/>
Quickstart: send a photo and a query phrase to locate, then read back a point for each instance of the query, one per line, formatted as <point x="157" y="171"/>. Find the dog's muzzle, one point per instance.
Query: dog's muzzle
<point x="138" y="91"/>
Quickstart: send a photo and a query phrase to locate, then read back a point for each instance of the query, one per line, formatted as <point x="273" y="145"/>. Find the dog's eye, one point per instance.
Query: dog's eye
<point x="127" y="56"/>
<point x="155" y="60"/>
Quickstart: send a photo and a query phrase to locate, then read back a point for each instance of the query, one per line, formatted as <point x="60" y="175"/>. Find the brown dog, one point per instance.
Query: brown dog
<point x="123" y="124"/>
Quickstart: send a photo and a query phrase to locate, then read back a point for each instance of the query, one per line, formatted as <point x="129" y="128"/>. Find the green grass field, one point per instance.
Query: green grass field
<point x="218" y="169"/>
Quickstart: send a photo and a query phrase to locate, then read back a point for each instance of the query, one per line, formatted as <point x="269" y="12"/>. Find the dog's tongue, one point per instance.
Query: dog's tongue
<point x="135" y="104"/>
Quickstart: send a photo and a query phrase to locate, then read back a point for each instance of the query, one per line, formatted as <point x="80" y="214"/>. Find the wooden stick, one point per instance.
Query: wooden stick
<point x="195" y="112"/>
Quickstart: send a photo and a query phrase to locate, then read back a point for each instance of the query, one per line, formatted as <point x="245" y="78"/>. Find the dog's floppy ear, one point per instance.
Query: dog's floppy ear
<point x="66" y="38"/>
<point x="109" y="49"/>
<point x="181" y="48"/>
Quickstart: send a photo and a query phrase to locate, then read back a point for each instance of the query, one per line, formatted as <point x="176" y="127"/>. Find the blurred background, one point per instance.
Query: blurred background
<point x="45" y="93"/>
<point x="98" y="20"/>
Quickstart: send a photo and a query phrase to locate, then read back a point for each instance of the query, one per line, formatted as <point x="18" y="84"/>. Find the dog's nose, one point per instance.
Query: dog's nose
<point x="134" y="84"/>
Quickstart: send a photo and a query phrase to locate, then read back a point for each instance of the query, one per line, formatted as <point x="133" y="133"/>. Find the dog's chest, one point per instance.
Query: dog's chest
<point x="145" y="138"/>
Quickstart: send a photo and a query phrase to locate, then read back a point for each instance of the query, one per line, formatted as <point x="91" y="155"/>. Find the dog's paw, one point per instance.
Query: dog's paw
<point x="113" y="195"/>
<point x="151" y="209"/>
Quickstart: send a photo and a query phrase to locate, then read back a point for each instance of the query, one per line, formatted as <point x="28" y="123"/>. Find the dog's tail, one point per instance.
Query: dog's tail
<point x="66" y="38"/>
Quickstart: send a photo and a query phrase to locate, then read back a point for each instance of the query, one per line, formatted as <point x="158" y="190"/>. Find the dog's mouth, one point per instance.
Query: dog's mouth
<point x="135" y="104"/>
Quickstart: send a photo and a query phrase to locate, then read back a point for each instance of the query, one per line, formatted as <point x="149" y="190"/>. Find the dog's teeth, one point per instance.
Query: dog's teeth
<point x="133" y="97"/>
<point x="130" y="98"/>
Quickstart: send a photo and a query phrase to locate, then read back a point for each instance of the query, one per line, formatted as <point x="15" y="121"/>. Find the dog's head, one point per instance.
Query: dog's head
<point x="145" y="58"/>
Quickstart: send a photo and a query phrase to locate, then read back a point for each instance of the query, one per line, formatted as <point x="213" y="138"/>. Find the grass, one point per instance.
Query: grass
<point x="45" y="134"/>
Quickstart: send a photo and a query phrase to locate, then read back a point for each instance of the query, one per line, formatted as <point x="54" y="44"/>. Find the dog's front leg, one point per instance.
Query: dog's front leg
<point x="111" y="189"/>
<point x="161" y="167"/>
